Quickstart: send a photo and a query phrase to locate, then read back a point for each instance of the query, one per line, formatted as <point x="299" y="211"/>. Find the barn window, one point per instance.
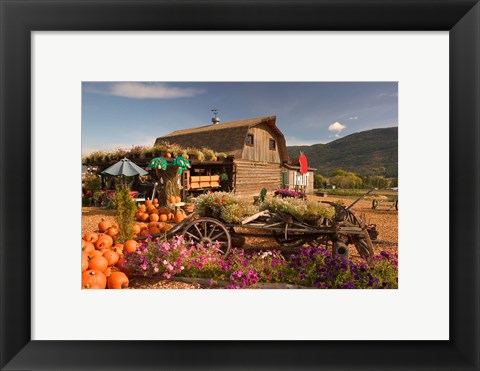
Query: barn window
<point x="272" y="144"/>
<point x="249" y="140"/>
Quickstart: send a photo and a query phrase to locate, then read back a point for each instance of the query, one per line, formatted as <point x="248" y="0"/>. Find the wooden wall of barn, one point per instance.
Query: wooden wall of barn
<point x="251" y="177"/>
<point x="260" y="151"/>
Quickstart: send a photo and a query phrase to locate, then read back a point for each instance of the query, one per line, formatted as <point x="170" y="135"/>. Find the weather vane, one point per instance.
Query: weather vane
<point x="215" y="111"/>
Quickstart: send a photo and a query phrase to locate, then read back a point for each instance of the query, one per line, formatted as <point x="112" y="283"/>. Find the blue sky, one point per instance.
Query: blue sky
<point x="123" y="114"/>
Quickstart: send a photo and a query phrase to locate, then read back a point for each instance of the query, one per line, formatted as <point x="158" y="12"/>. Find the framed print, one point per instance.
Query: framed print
<point x="54" y="54"/>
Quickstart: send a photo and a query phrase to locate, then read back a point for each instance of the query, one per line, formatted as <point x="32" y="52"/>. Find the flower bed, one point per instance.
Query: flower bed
<point x="289" y="193"/>
<point x="310" y="266"/>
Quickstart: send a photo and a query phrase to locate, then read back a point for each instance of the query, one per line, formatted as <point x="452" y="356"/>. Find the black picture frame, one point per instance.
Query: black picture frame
<point x="18" y="18"/>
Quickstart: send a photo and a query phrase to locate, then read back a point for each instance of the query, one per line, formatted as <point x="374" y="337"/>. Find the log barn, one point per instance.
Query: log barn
<point x="255" y="148"/>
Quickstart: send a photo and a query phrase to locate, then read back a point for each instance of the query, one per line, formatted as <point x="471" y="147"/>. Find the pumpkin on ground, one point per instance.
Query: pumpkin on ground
<point x="136" y="229"/>
<point x="117" y="280"/>
<point x="163" y="218"/>
<point x="104" y="225"/>
<point x="84" y="262"/>
<point x="90" y="237"/>
<point x="98" y="263"/>
<point x="112" y="231"/>
<point x="87" y="246"/>
<point x="111" y="256"/>
<point x="118" y="248"/>
<point x="171" y="199"/>
<point x="93" y="253"/>
<point x="130" y="246"/>
<point x="154" y="217"/>
<point x="104" y="242"/>
<point x="93" y="279"/>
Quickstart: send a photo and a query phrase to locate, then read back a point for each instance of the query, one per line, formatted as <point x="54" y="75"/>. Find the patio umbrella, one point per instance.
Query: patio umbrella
<point x="124" y="167"/>
<point x="157" y="163"/>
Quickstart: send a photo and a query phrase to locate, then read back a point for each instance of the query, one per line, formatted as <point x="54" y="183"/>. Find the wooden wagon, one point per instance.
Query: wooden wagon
<point x="344" y="229"/>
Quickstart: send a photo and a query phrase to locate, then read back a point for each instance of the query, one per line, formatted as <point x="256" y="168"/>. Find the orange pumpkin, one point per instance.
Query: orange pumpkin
<point x="154" y="217"/>
<point x="148" y="203"/>
<point x="166" y="227"/>
<point x="170" y="216"/>
<point x="163" y="217"/>
<point x="104" y="225"/>
<point x="98" y="262"/>
<point x="155" y="200"/>
<point x="171" y="199"/>
<point x="93" y="279"/>
<point x="104" y="242"/>
<point x="112" y="231"/>
<point x="112" y="257"/>
<point x="144" y="233"/>
<point x="93" y="253"/>
<point x="87" y="246"/>
<point x="168" y="155"/>
<point x="118" y="248"/>
<point x="163" y="210"/>
<point x="145" y="217"/>
<point x="130" y="245"/>
<point x="136" y="229"/>
<point x="178" y="199"/>
<point x="84" y="263"/>
<point x="152" y="225"/>
<point x="178" y="217"/>
<point x="90" y="237"/>
<point x="154" y="230"/>
<point x="125" y="270"/>
<point x="117" y="280"/>
<point x="107" y="272"/>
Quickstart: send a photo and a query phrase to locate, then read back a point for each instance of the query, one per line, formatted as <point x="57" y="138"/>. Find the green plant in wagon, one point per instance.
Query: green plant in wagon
<point x="304" y="210"/>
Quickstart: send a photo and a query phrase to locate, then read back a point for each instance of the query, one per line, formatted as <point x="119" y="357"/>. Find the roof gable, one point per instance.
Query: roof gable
<point x="228" y="137"/>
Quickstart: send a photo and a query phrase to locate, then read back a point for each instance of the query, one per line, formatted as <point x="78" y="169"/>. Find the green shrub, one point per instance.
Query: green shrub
<point x="125" y="212"/>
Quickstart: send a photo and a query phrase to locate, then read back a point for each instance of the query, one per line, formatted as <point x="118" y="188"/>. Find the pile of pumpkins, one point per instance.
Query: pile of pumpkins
<point x="102" y="258"/>
<point x="151" y="212"/>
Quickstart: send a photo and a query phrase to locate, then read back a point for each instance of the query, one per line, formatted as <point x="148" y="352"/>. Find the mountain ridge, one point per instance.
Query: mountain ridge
<point x="369" y="152"/>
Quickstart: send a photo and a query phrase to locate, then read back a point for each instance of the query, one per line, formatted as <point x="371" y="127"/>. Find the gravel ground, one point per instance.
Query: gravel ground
<point x="386" y="221"/>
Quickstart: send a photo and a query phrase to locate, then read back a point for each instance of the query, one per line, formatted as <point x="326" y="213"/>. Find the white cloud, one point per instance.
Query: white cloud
<point x="336" y="126"/>
<point x="142" y="90"/>
<point x="353" y="118"/>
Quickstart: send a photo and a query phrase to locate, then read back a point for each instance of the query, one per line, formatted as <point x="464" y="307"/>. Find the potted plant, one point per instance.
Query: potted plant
<point x="209" y="154"/>
<point x="195" y="154"/>
<point x="136" y="151"/>
<point x="147" y="152"/>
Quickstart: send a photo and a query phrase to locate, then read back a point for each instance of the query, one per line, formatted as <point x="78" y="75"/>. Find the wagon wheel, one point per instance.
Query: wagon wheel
<point x="364" y="245"/>
<point x="206" y="231"/>
<point x="396" y="205"/>
<point x="374" y="204"/>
